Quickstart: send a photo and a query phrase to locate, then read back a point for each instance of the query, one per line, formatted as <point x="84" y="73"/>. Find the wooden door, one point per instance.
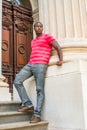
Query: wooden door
<point x="16" y="38"/>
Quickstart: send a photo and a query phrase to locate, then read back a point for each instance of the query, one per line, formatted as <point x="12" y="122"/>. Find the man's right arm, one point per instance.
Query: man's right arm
<point x="59" y="52"/>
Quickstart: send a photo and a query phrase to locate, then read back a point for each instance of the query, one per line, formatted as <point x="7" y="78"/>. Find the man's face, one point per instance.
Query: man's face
<point x="38" y="28"/>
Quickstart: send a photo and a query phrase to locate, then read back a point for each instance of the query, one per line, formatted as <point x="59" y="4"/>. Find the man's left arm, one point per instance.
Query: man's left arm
<point x="59" y="52"/>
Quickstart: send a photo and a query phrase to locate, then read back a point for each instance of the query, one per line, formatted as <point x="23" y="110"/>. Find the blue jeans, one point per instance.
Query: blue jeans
<point x="38" y="70"/>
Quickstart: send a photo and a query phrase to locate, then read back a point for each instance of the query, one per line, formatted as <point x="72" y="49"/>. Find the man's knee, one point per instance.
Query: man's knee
<point x="17" y="81"/>
<point x="40" y="92"/>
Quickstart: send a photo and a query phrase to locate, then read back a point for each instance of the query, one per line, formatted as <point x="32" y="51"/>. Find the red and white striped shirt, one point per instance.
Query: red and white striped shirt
<point x="41" y="49"/>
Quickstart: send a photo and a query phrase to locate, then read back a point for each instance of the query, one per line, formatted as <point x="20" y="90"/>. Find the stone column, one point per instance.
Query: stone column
<point x="45" y="16"/>
<point x="68" y="18"/>
<point x="65" y="104"/>
<point x="47" y="13"/>
<point x="43" y="6"/>
<point x="35" y="11"/>
<point x="76" y="18"/>
<point x="61" y="30"/>
<point x="64" y="18"/>
<point x="83" y="15"/>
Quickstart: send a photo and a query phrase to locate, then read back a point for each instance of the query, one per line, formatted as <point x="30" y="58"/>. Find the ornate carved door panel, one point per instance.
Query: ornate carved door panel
<point x="16" y="37"/>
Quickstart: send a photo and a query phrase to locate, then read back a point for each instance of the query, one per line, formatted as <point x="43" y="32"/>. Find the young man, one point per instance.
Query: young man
<point x="37" y="66"/>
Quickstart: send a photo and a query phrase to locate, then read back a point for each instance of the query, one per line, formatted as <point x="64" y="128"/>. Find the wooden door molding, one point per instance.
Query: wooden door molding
<point x="22" y="25"/>
<point x="16" y="37"/>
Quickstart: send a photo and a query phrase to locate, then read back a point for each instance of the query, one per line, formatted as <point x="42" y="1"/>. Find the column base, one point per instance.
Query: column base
<point x="2" y="83"/>
<point x="4" y="90"/>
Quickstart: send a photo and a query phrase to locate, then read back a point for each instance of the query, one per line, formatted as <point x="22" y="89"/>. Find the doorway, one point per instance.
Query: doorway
<point x="16" y="37"/>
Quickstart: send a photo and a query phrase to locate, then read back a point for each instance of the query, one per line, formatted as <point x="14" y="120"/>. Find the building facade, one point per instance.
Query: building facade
<point x="65" y="105"/>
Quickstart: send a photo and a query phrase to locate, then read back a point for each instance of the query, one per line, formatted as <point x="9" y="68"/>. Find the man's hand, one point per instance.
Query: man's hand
<point x="59" y="63"/>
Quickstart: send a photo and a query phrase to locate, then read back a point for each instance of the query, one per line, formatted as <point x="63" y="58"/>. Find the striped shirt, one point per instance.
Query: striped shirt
<point x="41" y="49"/>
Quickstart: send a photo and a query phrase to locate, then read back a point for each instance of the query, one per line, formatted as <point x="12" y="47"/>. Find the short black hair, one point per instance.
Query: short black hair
<point x="37" y="23"/>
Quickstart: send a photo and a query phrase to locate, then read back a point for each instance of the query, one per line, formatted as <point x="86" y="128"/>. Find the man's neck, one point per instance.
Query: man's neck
<point x="37" y="35"/>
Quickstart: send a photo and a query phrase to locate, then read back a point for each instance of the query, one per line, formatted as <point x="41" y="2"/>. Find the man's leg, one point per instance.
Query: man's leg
<point x="39" y="71"/>
<point x="24" y="74"/>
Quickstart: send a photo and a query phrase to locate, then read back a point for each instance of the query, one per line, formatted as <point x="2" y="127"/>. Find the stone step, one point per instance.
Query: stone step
<point x="9" y="106"/>
<point x="14" y="116"/>
<point x="43" y="125"/>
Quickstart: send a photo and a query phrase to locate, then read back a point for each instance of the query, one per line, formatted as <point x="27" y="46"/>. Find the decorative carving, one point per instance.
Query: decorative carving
<point x="6" y="22"/>
<point x="21" y="49"/>
<point x="5" y="46"/>
<point x="21" y="26"/>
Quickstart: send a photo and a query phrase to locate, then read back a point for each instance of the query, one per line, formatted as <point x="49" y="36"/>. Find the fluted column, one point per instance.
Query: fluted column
<point x="43" y="14"/>
<point x="47" y="15"/>
<point x="41" y="10"/>
<point x="83" y="15"/>
<point x="52" y="17"/>
<point x="64" y="18"/>
<point x="76" y="18"/>
<point x="60" y="19"/>
<point x="68" y="18"/>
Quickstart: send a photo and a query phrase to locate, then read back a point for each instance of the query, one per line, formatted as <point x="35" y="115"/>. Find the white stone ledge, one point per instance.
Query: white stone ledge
<point x="73" y="42"/>
<point x="75" y="66"/>
<point x="69" y="57"/>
